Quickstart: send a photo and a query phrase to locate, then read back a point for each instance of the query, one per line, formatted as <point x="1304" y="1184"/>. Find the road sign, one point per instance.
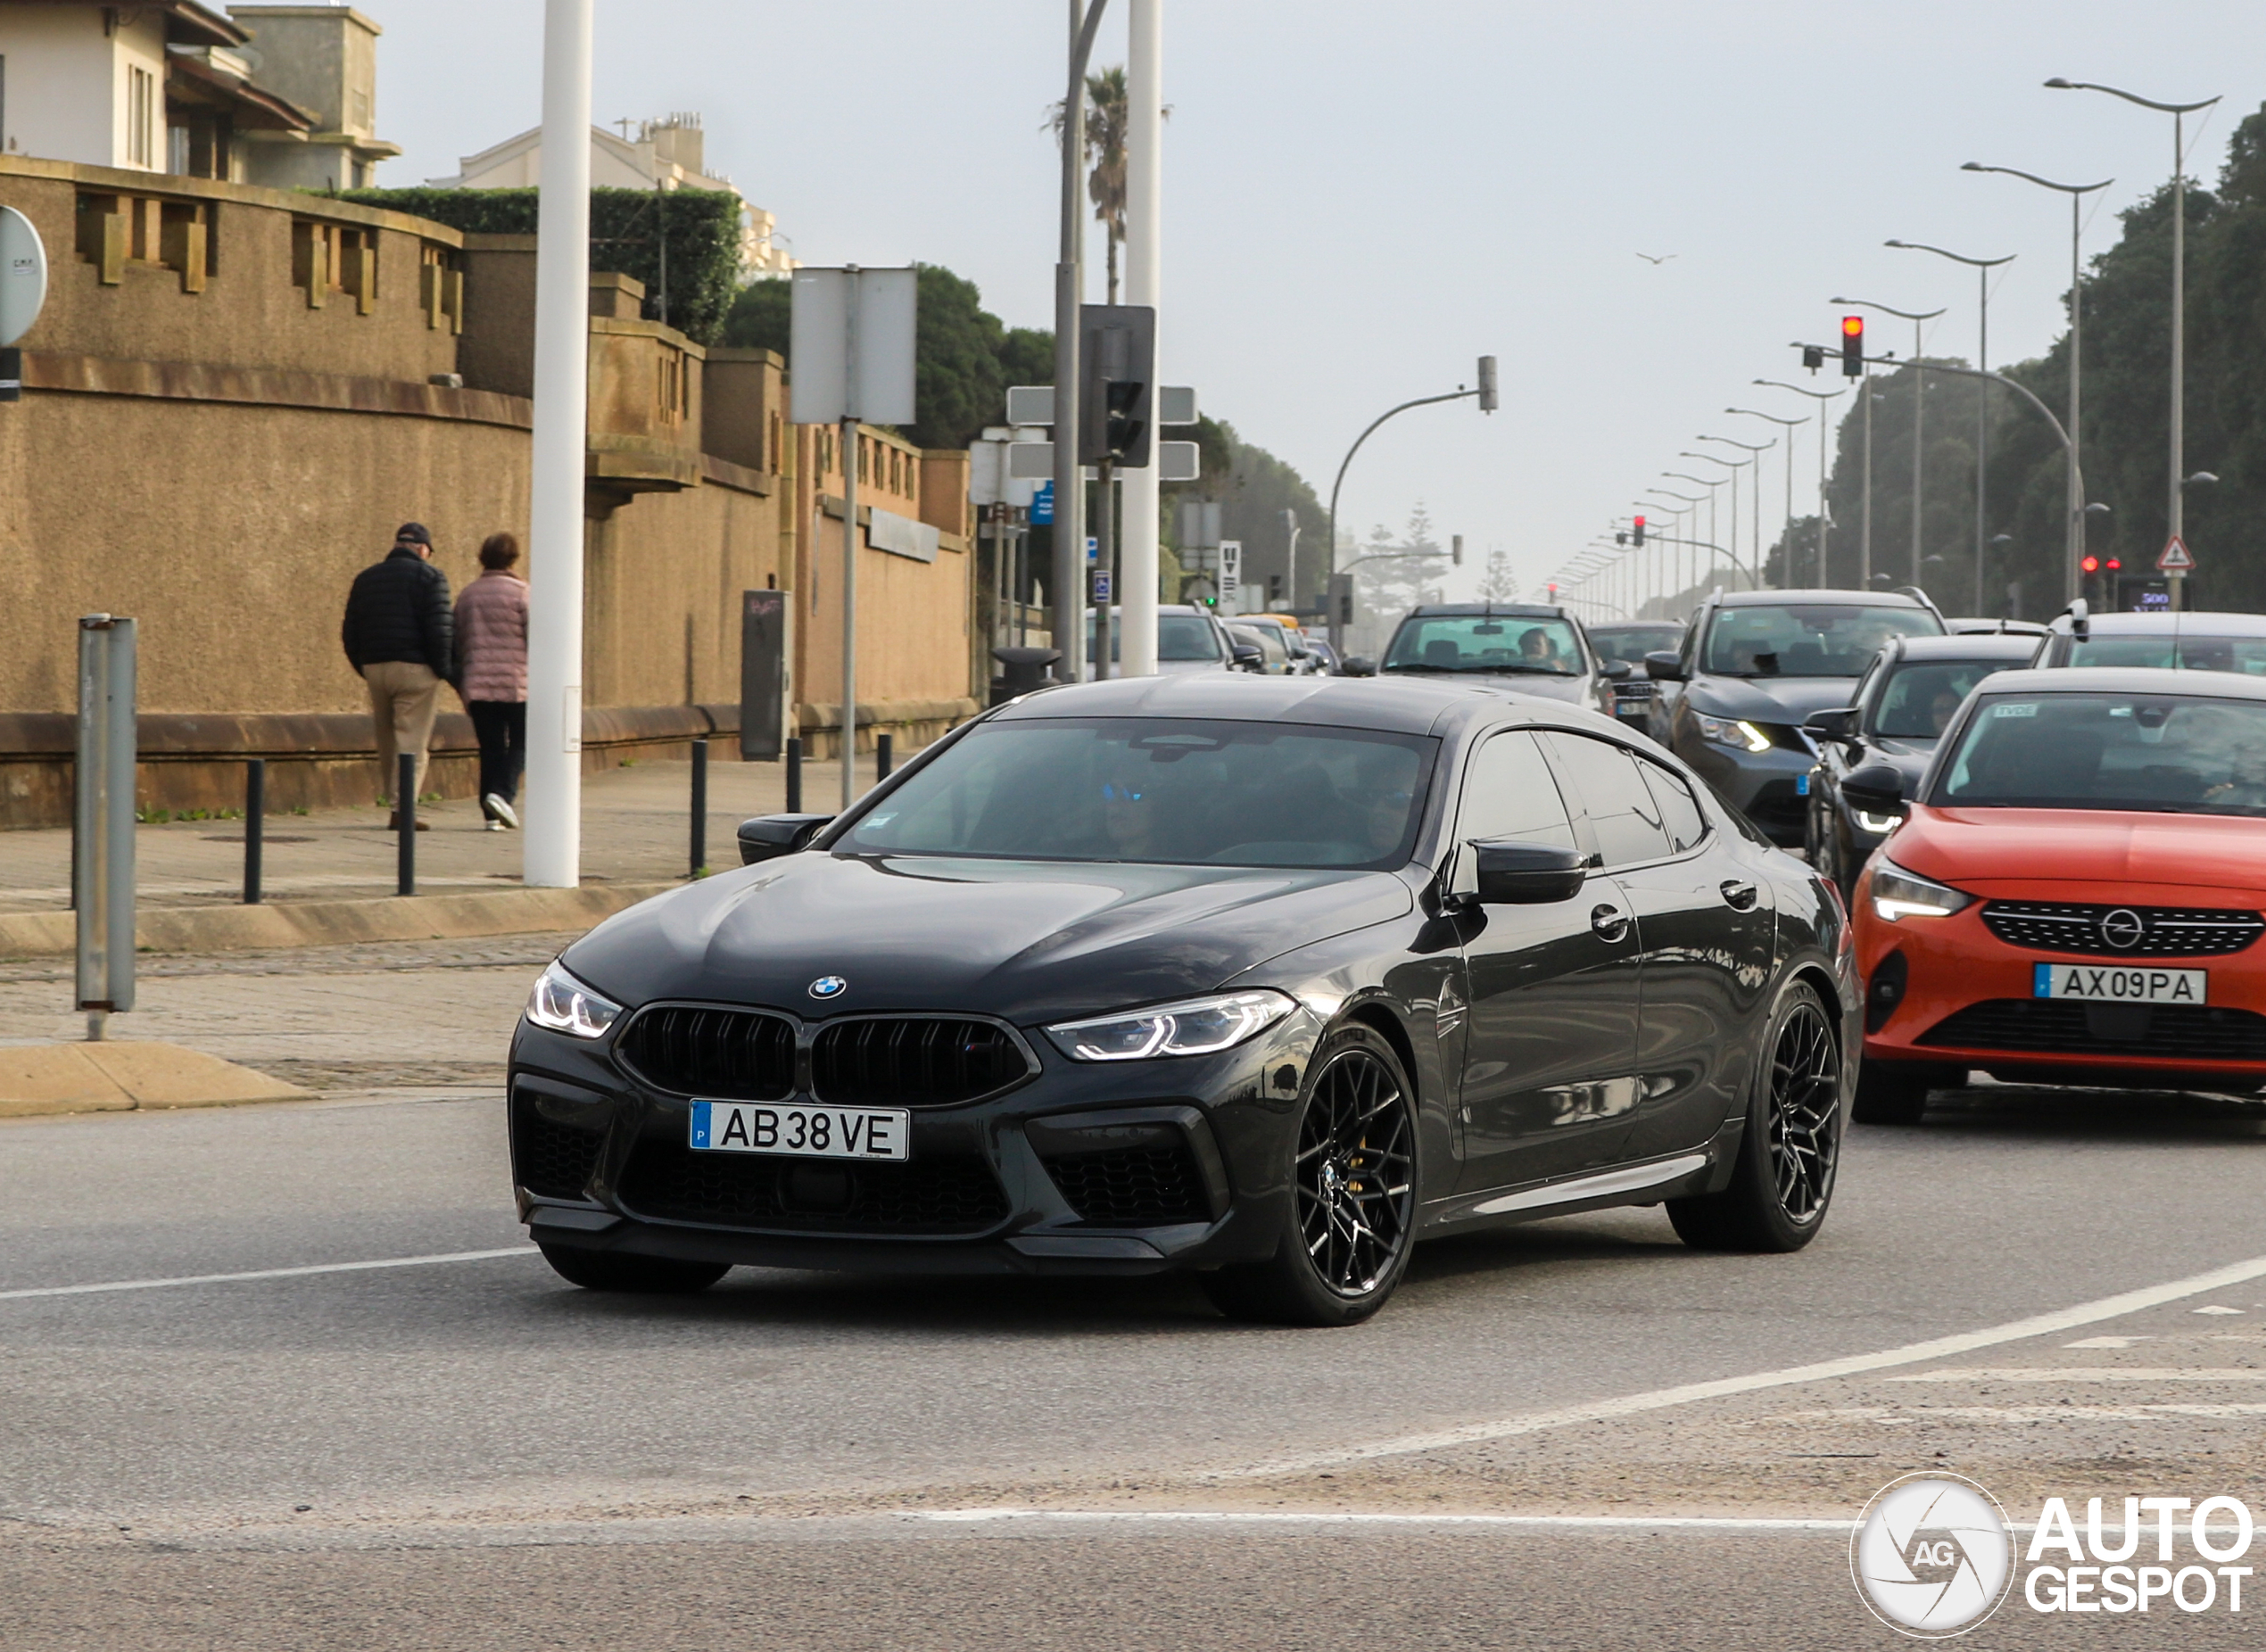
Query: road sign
<point x="2176" y="557"/>
<point x="1101" y="585"/>
<point x="23" y="289"/>
<point x="1042" y="506"/>
<point x="1231" y="575"/>
<point x="850" y="336"/>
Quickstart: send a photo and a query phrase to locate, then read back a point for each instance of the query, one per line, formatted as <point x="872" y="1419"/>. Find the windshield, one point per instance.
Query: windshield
<point x="1180" y="791"/>
<point x="1921" y="696"/>
<point x="1477" y="642"/>
<point x="1808" y="639"/>
<point x="1632" y="643"/>
<point x="1178" y="637"/>
<point x="2245" y="655"/>
<point x="2171" y="753"/>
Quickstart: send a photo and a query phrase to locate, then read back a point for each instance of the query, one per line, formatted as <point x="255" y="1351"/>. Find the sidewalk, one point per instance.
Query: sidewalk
<point x="331" y="876"/>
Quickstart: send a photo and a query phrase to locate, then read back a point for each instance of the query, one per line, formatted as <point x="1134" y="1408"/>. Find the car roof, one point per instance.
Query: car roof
<point x="1973" y="645"/>
<point x="1391" y="705"/>
<point x="1639" y="625"/>
<point x="1839" y="598"/>
<point x="2206" y="624"/>
<point x="2224" y="685"/>
<point x="1490" y="610"/>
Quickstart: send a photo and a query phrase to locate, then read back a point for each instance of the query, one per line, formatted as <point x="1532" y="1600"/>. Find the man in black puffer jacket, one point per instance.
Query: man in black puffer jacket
<point x="400" y="635"/>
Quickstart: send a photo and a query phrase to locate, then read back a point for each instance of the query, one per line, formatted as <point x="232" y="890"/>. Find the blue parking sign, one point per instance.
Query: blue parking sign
<point x="1042" y="506"/>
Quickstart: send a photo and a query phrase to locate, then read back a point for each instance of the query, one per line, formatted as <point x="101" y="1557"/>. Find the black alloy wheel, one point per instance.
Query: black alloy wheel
<point x="1792" y="1147"/>
<point x="625" y="1271"/>
<point x="1353" y="1195"/>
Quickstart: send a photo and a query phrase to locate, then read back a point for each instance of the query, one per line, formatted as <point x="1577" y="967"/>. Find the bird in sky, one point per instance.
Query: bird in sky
<point x="1649" y="259"/>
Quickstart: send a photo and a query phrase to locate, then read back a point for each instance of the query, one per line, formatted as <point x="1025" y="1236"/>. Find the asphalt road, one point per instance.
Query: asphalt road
<point x="470" y="1453"/>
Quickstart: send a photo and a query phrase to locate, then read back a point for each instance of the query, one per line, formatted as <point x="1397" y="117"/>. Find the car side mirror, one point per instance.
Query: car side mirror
<point x="1667" y="666"/>
<point x="1838" y="724"/>
<point x="1527" y="874"/>
<point x="1360" y="665"/>
<point x="1247" y="657"/>
<point x="1876" y="787"/>
<point x="768" y="837"/>
<point x="1615" y="671"/>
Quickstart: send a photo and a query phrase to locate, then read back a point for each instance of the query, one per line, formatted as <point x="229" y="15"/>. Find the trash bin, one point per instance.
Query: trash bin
<point x="1021" y="670"/>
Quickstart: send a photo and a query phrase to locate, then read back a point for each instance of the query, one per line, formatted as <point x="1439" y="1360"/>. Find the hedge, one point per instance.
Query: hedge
<point x="703" y="239"/>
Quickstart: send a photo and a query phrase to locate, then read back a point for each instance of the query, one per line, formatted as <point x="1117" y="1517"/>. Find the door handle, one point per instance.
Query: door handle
<point x="1739" y="894"/>
<point x="1610" y="922"/>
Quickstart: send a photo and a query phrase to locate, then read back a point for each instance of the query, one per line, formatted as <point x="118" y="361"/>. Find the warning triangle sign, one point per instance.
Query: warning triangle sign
<point x="2176" y="557"/>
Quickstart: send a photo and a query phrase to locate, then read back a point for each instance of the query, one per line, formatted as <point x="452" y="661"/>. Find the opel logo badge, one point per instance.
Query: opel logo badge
<point x="831" y="987"/>
<point x="2121" y="929"/>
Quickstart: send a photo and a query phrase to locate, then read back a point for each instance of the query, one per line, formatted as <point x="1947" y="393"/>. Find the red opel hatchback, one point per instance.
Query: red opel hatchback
<point x="2075" y="893"/>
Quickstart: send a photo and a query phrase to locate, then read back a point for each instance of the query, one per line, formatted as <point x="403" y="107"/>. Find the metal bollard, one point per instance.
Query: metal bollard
<point x="405" y="817"/>
<point x="255" y="824"/>
<point x="699" y="807"/>
<point x="103" y="819"/>
<point x="884" y="750"/>
<point x="794" y="775"/>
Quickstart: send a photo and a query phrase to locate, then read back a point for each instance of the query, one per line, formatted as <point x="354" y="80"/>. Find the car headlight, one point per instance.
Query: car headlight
<point x="1879" y="825"/>
<point x="563" y="1004"/>
<point x="1733" y="731"/>
<point x="1197" y="1026"/>
<point x="1900" y="894"/>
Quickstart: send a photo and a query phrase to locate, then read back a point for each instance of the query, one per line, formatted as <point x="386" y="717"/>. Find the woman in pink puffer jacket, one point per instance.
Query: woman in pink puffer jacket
<point x="491" y="674"/>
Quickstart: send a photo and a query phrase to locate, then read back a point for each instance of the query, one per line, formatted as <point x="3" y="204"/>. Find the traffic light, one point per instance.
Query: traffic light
<point x="2091" y="565"/>
<point x="1489" y="399"/>
<point x="1455" y="549"/>
<point x="1813" y="357"/>
<point x="1640" y="532"/>
<point x="2115" y="563"/>
<point x="1852" y="346"/>
<point x="1620" y="537"/>
<point x="1116" y="370"/>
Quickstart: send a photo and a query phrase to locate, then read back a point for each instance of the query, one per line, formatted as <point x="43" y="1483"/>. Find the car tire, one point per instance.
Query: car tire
<point x="1790" y="1153"/>
<point x="625" y="1271"/>
<point x="1350" y="1204"/>
<point x="1887" y="1093"/>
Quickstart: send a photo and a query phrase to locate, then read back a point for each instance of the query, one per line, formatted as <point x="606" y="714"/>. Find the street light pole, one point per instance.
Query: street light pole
<point x="1919" y="385"/>
<point x="1824" y="522"/>
<point x="1786" y="533"/>
<point x="1982" y="267"/>
<point x="1755" y="493"/>
<point x="2073" y="498"/>
<point x="1136" y="589"/>
<point x="2179" y="112"/>
<point x="1735" y="467"/>
<point x="1711" y="484"/>
<point x="1067" y="615"/>
<point x="1484" y="391"/>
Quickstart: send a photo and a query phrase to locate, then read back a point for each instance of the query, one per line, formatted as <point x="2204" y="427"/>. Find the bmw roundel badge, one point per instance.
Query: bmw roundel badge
<point x="828" y="987"/>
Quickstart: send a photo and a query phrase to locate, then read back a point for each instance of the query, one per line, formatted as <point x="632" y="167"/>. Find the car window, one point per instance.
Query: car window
<point x="1808" y="639"/>
<point x="1480" y="642"/>
<point x="1623" y="816"/>
<point x="1921" y="696"/>
<point x="2161" y="753"/>
<point x="1632" y="643"/>
<point x="1174" y="790"/>
<point x="1510" y="793"/>
<point x="1680" y="814"/>
<point x="1185" y="637"/>
<point x="2245" y="656"/>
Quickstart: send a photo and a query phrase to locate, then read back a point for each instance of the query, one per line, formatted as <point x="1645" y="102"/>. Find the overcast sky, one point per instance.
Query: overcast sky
<point x="1360" y="199"/>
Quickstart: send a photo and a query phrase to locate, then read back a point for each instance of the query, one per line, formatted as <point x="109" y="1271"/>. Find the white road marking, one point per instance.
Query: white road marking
<point x="2019" y="1413"/>
<point x="2108" y="1341"/>
<point x="1229" y="1516"/>
<point x="1689" y="1394"/>
<point x="2087" y="1373"/>
<point x="265" y="1273"/>
<point x="2215" y="1308"/>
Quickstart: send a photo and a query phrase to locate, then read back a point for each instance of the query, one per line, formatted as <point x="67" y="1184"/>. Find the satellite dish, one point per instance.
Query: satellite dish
<point x="23" y="276"/>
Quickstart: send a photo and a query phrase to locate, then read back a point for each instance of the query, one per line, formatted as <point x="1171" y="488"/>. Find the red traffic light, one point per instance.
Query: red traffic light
<point x="1852" y="326"/>
<point x="2115" y="563"/>
<point x="2091" y="565"/>
<point x="1852" y="346"/>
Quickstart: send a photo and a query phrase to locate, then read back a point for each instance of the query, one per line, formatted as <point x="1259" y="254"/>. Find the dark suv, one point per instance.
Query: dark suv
<point x="1753" y="667"/>
<point x="1530" y="647"/>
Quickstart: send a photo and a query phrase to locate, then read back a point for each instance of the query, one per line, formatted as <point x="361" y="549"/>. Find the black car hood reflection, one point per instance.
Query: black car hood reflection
<point x="1768" y="699"/>
<point x="1025" y="940"/>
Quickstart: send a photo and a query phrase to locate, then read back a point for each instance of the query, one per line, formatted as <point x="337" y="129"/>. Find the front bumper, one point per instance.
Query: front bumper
<point x="1765" y="786"/>
<point x="1117" y="1168"/>
<point x="1946" y="993"/>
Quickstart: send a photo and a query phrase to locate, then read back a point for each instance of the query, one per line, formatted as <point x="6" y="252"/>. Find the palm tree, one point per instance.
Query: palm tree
<point x="1106" y="121"/>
